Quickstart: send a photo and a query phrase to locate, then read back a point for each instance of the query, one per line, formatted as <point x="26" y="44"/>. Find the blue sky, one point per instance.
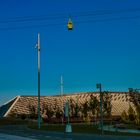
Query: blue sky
<point x="105" y="51"/>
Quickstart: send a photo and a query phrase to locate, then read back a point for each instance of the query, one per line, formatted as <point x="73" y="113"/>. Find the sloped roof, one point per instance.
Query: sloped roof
<point x="20" y="105"/>
<point x="4" y="109"/>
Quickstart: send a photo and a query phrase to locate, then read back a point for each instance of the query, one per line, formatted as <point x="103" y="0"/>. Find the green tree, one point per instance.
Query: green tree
<point x="59" y="113"/>
<point x="49" y="111"/>
<point x="135" y="99"/>
<point x="131" y="114"/>
<point x="76" y="110"/>
<point x="32" y="111"/>
<point x="85" y="109"/>
<point x="72" y="107"/>
<point x="124" y="117"/>
<point x="107" y="107"/>
<point x="93" y="104"/>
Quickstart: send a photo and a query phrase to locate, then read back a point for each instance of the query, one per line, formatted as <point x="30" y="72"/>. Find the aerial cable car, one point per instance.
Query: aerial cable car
<point x="70" y="24"/>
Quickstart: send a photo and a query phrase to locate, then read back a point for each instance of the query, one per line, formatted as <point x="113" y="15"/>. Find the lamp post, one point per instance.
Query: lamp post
<point x="99" y="86"/>
<point x="133" y="91"/>
<point x="38" y="48"/>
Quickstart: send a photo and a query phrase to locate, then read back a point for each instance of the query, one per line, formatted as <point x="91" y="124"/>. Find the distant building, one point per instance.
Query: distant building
<point x="20" y="104"/>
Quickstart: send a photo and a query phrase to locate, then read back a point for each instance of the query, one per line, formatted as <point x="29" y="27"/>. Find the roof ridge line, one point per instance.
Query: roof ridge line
<point x="10" y="100"/>
<point x="11" y="106"/>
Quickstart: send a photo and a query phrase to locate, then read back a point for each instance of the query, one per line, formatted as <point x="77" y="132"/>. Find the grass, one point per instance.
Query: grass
<point x="10" y="121"/>
<point x="80" y="128"/>
<point x="76" y="128"/>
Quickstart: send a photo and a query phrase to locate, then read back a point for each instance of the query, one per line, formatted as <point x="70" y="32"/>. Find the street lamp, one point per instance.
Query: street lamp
<point x="70" y="24"/>
<point x="133" y="91"/>
<point x="99" y="86"/>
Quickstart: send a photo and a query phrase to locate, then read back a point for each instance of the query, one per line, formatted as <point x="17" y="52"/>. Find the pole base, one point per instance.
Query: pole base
<point x="68" y="128"/>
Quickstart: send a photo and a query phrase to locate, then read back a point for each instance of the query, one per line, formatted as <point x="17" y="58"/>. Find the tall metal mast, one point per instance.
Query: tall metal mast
<point x="62" y="90"/>
<point x="99" y="86"/>
<point x="38" y="47"/>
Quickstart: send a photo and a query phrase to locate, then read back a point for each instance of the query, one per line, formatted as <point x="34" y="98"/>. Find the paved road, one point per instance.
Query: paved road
<point x="23" y="131"/>
<point x="12" y="137"/>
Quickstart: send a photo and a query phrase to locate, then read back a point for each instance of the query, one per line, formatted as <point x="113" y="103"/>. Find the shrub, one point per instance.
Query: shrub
<point x="23" y="116"/>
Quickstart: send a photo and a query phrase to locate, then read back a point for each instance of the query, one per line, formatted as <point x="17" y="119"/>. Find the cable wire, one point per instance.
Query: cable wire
<point x="64" y="23"/>
<point x="64" y="16"/>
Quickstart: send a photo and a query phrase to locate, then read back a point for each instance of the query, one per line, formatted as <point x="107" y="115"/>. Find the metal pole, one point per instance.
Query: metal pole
<point x="38" y="81"/>
<point x="61" y="93"/>
<point x="68" y="113"/>
<point x="101" y="107"/>
<point x="101" y="100"/>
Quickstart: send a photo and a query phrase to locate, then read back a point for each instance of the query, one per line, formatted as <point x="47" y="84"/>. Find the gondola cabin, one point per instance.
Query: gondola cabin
<point x="70" y="24"/>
